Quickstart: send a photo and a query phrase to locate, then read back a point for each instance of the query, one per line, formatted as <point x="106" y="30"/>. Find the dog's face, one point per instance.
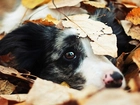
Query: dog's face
<point x="60" y="56"/>
<point x="73" y="61"/>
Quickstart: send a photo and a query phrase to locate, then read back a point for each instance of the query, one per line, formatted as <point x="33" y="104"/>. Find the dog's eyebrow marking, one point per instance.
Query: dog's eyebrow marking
<point x="60" y="39"/>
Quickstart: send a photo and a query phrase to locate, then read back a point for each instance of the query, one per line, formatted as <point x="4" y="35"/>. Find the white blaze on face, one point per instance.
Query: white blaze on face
<point x="94" y="67"/>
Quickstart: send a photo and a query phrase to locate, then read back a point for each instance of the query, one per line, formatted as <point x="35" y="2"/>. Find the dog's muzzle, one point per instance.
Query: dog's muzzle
<point x="113" y="80"/>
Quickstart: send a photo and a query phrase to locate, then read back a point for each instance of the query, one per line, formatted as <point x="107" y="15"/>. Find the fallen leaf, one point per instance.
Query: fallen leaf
<point x="65" y="84"/>
<point x="22" y="81"/>
<point x="133" y="85"/>
<point x="112" y="97"/>
<point x="126" y="26"/>
<point x="2" y="35"/>
<point x="6" y="87"/>
<point x="134" y="16"/>
<point x="3" y="101"/>
<point x="53" y="94"/>
<point x="49" y="18"/>
<point x="103" y="41"/>
<point x="131" y="3"/>
<point x="63" y="3"/>
<point x="95" y="4"/>
<point x="15" y="97"/>
<point x="48" y="21"/>
<point x="120" y="62"/>
<point x="136" y="57"/>
<point x="21" y="103"/>
<point x="131" y="30"/>
<point x="7" y="60"/>
<point x="134" y="32"/>
<point x="33" y="3"/>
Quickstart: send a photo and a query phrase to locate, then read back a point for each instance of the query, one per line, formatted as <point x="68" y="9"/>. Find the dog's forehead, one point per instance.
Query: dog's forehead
<point x="69" y="31"/>
<point x="65" y="39"/>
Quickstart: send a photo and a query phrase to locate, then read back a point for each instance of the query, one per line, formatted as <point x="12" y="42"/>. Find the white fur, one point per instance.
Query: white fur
<point x="59" y="41"/>
<point x="94" y="67"/>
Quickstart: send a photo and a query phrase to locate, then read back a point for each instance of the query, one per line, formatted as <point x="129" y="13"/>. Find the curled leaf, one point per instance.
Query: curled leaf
<point x="33" y="3"/>
<point x="103" y="41"/>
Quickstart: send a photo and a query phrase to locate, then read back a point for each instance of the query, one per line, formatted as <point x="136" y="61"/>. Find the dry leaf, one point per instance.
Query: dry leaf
<point x="6" y="87"/>
<point x="15" y="97"/>
<point x="107" y="97"/>
<point x="133" y="86"/>
<point x="7" y="60"/>
<point x="2" y="35"/>
<point x="3" y="101"/>
<point x="103" y="40"/>
<point x="21" y="103"/>
<point x="49" y="18"/>
<point x="33" y="3"/>
<point x="131" y="3"/>
<point x="22" y="81"/>
<point x="134" y="32"/>
<point x="112" y="97"/>
<point x="48" y="21"/>
<point x="63" y="3"/>
<point x="131" y="30"/>
<point x="136" y="57"/>
<point x="95" y="4"/>
<point x="134" y="16"/>
<point x="65" y="84"/>
<point x="48" y="93"/>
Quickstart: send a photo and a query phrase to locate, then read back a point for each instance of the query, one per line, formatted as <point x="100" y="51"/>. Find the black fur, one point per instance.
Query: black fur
<point x="33" y="47"/>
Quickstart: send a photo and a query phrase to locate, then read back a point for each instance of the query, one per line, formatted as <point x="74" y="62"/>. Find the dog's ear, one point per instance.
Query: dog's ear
<point x="108" y="16"/>
<point x="27" y="37"/>
<point x="28" y="43"/>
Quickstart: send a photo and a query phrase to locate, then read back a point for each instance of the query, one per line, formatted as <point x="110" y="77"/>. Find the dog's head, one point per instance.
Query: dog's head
<point x="60" y="55"/>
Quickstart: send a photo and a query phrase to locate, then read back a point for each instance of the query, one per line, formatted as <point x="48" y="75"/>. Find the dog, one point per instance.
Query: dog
<point x="59" y="55"/>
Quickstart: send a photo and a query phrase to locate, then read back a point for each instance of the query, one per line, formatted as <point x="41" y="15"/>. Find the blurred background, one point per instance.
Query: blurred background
<point x="8" y="6"/>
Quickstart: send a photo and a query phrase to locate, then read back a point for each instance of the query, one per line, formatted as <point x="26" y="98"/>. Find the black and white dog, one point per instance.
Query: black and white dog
<point x="60" y="55"/>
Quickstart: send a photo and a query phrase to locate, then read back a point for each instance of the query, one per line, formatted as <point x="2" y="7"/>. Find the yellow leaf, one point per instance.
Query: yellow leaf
<point x="65" y="84"/>
<point x="49" y="18"/>
<point x="63" y="3"/>
<point x="33" y="3"/>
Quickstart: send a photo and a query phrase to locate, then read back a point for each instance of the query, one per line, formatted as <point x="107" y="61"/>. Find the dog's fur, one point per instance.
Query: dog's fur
<point x="60" y="55"/>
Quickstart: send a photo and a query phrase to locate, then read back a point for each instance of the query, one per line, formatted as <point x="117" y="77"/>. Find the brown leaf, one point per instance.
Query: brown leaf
<point x="48" y="21"/>
<point x="134" y="16"/>
<point x="7" y="60"/>
<point x="6" y="87"/>
<point x="136" y="57"/>
<point x="91" y="6"/>
<point x="3" y="101"/>
<point x="22" y="81"/>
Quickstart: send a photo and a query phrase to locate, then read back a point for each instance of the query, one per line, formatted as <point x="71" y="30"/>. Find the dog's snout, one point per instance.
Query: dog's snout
<point x="113" y="79"/>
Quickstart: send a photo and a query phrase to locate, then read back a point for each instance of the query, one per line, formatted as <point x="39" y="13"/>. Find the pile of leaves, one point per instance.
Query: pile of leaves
<point x="22" y="88"/>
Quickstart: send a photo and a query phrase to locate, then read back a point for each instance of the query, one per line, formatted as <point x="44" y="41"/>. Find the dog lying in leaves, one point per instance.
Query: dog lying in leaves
<point x="60" y="55"/>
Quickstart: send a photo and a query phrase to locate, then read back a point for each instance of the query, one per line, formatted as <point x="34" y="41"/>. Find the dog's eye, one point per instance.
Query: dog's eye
<point x="69" y="55"/>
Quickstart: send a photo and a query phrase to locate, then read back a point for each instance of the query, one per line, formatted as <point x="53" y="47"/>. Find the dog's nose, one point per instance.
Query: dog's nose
<point x="113" y="79"/>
